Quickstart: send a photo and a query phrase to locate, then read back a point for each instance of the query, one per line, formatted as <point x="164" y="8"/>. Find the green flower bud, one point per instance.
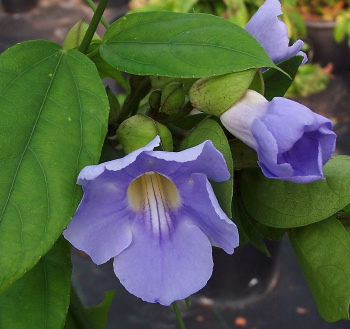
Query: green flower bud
<point x="154" y="100"/>
<point x="138" y="130"/>
<point x="160" y="82"/>
<point x="215" y="95"/>
<point x="76" y="35"/>
<point x="173" y="98"/>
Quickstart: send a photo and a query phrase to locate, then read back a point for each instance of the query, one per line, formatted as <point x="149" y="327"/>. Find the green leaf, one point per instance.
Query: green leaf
<point x="190" y="121"/>
<point x="243" y="156"/>
<point x="104" y="69"/>
<point x="276" y="82"/>
<point x="285" y="204"/>
<point x="180" y="45"/>
<point x="98" y="314"/>
<point x="251" y="230"/>
<point x="54" y="113"/>
<point x="40" y="298"/>
<point x="323" y="251"/>
<point x="246" y="227"/>
<point x="211" y="130"/>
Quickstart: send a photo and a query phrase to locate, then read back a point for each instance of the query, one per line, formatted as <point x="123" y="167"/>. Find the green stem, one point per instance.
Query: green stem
<point x="84" y="46"/>
<point x="93" y="7"/>
<point x="178" y="315"/>
<point x="78" y="312"/>
<point x="140" y="87"/>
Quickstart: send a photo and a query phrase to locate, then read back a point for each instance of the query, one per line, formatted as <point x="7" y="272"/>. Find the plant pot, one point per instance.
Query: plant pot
<point x="241" y="278"/>
<point x="325" y="49"/>
<point x="18" y="6"/>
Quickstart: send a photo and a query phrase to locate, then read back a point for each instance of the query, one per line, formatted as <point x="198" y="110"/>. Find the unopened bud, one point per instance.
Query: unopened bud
<point x="154" y="100"/>
<point x="76" y="34"/>
<point x="173" y="98"/>
<point x="138" y="130"/>
<point x="214" y="95"/>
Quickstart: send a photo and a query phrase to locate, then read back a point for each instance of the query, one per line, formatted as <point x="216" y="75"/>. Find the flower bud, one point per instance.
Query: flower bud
<point x="214" y="95"/>
<point x="154" y="100"/>
<point x="138" y="130"/>
<point x="76" y="35"/>
<point x="173" y="98"/>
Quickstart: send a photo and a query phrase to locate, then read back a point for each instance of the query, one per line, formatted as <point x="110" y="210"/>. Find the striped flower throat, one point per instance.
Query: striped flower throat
<point x="153" y="193"/>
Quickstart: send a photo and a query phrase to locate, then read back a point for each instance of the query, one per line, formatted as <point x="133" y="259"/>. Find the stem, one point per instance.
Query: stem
<point x="78" y="312"/>
<point x="92" y="26"/>
<point x="178" y="315"/>
<point x="93" y="7"/>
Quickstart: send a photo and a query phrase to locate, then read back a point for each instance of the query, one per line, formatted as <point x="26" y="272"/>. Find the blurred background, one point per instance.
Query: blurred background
<point x="248" y="289"/>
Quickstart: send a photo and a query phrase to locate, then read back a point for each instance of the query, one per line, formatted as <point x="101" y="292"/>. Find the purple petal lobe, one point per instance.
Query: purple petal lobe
<point x="91" y="172"/>
<point x="168" y="269"/>
<point x="203" y="158"/>
<point x="269" y="30"/>
<point x="202" y="209"/>
<point x="100" y="227"/>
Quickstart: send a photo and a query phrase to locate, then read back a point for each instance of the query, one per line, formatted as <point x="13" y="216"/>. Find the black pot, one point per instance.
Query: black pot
<point x="18" y="6"/>
<point x="325" y="49"/>
<point x="241" y="278"/>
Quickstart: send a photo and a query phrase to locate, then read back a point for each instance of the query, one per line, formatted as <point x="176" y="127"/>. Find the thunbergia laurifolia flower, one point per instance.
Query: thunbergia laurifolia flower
<point x="156" y="214"/>
<point x="292" y="142"/>
<point x="271" y="32"/>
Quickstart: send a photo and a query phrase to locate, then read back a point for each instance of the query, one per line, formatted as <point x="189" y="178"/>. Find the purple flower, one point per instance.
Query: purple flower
<point x="268" y="29"/>
<point x="292" y="142"/>
<point x="156" y="214"/>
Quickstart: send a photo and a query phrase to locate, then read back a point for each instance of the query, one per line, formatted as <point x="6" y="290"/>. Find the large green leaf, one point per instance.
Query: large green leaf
<point x="40" y="298"/>
<point x="251" y="230"/>
<point x="323" y="251"/>
<point x="180" y="45"/>
<point x="54" y="113"/>
<point x="284" y="204"/>
<point x="211" y="130"/>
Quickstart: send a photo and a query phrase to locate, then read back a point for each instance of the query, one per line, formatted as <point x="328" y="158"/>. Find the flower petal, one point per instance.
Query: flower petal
<point x="203" y="158"/>
<point x="268" y="29"/>
<point x="201" y="208"/>
<point x="91" y="172"/>
<point x="287" y="120"/>
<point x="239" y="118"/>
<point x="168" y="269"/>
<point x="268" y="152"/>
<point x="101" y="225"/>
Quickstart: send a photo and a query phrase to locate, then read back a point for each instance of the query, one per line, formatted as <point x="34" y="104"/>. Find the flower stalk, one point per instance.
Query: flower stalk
<point x="178" y="315"/>
<point x="84" y="46"/>
<point x="94" y="7"/>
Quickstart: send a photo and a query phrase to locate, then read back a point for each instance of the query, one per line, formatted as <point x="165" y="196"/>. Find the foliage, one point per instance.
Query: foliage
<point x="57" y="118"/>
